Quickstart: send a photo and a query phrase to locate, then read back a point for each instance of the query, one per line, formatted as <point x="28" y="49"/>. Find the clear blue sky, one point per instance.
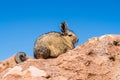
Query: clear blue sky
<point x="22" y="21"/>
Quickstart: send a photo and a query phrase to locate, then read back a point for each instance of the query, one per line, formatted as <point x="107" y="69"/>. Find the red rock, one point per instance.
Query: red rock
<point x="97" y="59"/>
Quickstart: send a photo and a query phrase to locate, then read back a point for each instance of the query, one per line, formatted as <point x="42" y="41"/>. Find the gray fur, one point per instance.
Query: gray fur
<point x="20" y="57"/>
<point x="53" y="44"/>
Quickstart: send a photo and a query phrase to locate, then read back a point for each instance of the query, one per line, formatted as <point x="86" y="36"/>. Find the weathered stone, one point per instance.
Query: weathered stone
<point x="97" y="59"/>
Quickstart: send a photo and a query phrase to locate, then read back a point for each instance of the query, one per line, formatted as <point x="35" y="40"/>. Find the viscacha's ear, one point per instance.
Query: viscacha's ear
<point x="64" y="27"/>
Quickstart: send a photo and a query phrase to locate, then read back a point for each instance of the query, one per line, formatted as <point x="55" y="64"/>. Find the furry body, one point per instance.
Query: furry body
<point x="53" y="44"/>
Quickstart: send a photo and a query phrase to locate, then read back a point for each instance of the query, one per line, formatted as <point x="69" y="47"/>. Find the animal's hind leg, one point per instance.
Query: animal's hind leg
<point x="41" y="52"/>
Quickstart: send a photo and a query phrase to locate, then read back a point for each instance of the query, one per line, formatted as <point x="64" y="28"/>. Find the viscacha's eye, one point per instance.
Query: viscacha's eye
<point x="70" y="35"/>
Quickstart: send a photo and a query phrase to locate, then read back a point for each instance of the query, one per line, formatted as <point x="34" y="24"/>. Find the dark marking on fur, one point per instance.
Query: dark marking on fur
<point x="42" y="52"/>
<point x="20" y="57"/>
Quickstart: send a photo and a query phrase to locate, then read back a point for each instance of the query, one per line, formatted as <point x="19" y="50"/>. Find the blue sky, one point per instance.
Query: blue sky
<point x="22" y="21"/>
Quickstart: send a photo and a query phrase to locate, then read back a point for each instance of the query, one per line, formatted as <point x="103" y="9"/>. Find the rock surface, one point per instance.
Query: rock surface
<point x="97" y="59"/>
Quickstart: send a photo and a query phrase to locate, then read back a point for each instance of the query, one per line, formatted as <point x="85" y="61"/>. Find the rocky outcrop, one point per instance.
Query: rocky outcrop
<point x="97" y="59"/>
